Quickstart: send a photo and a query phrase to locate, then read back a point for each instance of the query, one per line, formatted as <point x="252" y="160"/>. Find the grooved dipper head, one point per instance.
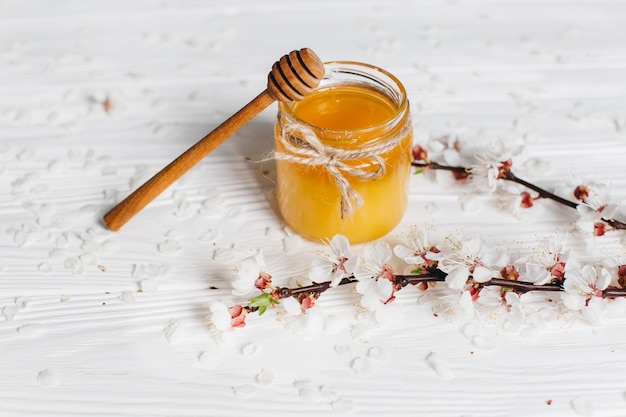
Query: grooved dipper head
<point x="295" y="75"/>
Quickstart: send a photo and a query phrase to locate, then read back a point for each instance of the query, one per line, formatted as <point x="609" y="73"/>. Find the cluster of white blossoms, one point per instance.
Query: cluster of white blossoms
<point x="489" y="169"/>
<point x="458" y="276"/>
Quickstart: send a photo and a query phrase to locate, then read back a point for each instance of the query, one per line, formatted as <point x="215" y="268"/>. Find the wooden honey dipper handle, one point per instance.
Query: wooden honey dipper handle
<point x="291" y="78"/>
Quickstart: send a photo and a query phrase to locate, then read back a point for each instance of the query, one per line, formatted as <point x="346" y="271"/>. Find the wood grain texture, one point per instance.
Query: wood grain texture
<point x="119" y="215"/>
<point x="95" y="323"/>
<point x="291" y="78"/>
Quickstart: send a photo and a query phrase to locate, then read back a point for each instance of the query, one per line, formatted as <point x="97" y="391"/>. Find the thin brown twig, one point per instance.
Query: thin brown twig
<point x="437" y="275"/>
<point x="508" y="175"/>
<point x="435" y="165"/>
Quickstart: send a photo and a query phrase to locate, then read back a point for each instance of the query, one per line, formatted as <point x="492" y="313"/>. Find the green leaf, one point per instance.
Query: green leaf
<point x="262" y="301"/>
<point x="418" y="270"/>
<point x="418" y="171"/>
<point x="262" y="310"/>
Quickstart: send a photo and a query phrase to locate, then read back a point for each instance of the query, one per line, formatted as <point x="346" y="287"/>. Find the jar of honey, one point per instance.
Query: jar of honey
<point x="343" y="155"/>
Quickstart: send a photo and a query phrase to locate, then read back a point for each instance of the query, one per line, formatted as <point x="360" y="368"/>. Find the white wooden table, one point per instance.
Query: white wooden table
<point x="97" y="96"/>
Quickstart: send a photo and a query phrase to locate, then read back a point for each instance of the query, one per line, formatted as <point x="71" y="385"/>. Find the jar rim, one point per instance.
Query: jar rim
<point x="376" y="76"/>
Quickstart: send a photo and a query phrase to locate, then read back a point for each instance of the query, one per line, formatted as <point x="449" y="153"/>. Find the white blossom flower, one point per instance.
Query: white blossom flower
<point x="615" y="262"/>
<point x="589" y="216"/>
<point x="596" y="197"/>
<point x="374" y="263"/>
<point x="469" y="258"/>
<point x="376" y="292"/>
<point x="375" y="276"/>
<point x="336" y="265"/>
<point x="416" y="248"/>
<point x="516" y="200"/>
<point x="541" y="308"/>
<point x="219" y="317"/>
<point x="490" y="163"/>
<point x="291" y="306"/>
<point x="584" y="289"/>
<point x="446" y="148"/>
<point x="548" y="263"/>
<point x="595" y="205"/>
<point x="502" y="308"/>
<point x="306" y="325"/>
<point x="245" y="279"/>
<point x="455" y="306"/>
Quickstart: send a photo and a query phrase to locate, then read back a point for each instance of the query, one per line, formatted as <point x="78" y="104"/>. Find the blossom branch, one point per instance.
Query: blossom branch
<point x="519" y="286"/>
<point x="505" y="173"/>
<point x="315" y="288"/>
<point x="437" y="275"/>
<point x="431" y="276"/>
<point x="379" y="286"/>
<point x="510" y="176"/>
<point x="614" y="292"/>
<point x="435" y="165"/>
<point x="469" y="269"/>
<point x="522" y="286"/>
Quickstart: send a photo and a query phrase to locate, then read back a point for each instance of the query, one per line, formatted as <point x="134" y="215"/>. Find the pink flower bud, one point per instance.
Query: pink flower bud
<point x="474" y="291"/>
<point x="420" y="154"/>
<point x="621" y="275"/>
<point x="509" y="272"/>
<point x="238" y="316"/>
<point x="460" y="176"/>
<point x="527" y="200"/>
<point x="263" y="281"/>
<point x="599" y="229"/>
<point x="557" y="270"/>
<point x="388" y="273"/>
<point x="504" y="167"/>
<point x="306" y="303"/>
<point x="581" y="193"/>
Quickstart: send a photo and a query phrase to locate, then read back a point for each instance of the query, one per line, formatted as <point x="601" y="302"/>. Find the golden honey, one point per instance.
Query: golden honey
<point x="361" y="111"/>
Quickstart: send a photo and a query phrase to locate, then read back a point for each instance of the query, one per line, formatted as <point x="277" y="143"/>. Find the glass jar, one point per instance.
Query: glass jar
<point x="343" y="155"/>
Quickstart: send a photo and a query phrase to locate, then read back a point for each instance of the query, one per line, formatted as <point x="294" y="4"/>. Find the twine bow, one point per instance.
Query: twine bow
<point x="302" y="146"/>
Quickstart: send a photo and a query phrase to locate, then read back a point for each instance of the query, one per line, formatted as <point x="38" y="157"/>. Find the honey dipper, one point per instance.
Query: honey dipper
<point x="291" y="78"/>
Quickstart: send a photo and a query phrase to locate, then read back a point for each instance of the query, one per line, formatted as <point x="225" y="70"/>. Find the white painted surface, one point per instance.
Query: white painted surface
<point x="97" y="323"/>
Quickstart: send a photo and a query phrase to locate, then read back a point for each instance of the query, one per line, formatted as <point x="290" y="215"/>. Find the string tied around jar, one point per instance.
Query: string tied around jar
<point x="302" y="146"/>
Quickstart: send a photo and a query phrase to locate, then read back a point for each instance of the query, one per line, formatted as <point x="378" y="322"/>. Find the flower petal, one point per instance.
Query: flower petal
<point x="378" y="253"/>
<point x="340" y="246"/>
<point x="457" y="277"/>
<point x="482" y="274"/>
<point x="220" y="317"/>
<point x="573" y="302"/>
<point x="291" y="306"/>
<point x="603" y="279"/>
<point x="538" y="274"/>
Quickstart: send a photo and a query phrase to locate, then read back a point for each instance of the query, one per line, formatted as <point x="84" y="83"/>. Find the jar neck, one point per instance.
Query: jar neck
<point x="354" y="105"/>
